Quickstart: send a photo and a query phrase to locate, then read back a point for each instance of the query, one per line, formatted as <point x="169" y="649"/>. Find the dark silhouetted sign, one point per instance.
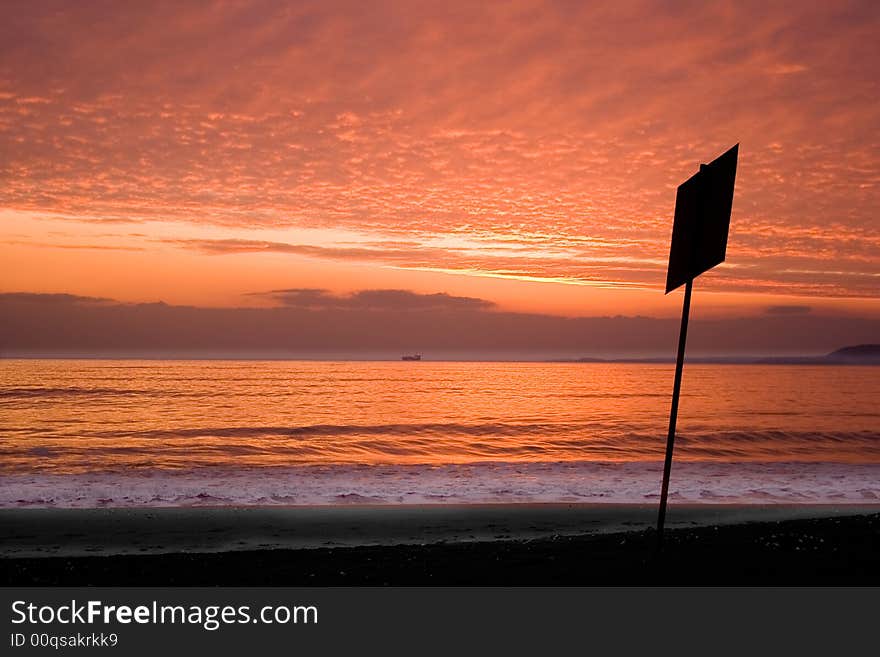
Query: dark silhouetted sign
<point x="702" y="220"/>
<point x="699" y="242"/>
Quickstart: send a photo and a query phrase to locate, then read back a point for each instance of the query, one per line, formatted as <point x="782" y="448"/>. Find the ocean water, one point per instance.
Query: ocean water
<point x="84" y="433"/>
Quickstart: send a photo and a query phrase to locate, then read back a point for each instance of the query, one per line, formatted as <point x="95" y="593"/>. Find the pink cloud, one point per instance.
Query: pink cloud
<point x="496" y="122"/>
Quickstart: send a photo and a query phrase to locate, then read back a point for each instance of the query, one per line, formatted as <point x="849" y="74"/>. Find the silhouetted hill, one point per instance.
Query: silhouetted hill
<point x="869" y="353"/>
<point x="863" y="354"/>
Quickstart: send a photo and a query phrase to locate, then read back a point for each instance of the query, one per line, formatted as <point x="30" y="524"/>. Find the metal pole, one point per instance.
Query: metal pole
<point x="673" y="413"/>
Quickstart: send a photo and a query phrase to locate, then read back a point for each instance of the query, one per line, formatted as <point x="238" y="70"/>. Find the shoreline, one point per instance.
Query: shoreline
<point x="51" y="532"/>
<point x="482" y="482"/>
<point x="836" y="548"/>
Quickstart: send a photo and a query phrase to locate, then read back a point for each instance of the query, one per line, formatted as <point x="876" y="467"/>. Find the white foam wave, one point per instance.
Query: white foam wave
<point x="576" y="482"/>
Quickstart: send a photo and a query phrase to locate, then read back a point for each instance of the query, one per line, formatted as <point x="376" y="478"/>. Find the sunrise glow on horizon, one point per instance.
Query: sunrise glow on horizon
<point x="522" y="153"/>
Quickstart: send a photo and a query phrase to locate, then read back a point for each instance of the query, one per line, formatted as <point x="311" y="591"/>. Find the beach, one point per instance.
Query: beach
<point x="558" y="544"/>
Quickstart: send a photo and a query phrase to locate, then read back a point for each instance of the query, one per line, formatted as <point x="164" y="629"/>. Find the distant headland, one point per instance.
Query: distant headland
<point x="862" y="354"/>
<point x="870" y="352"/>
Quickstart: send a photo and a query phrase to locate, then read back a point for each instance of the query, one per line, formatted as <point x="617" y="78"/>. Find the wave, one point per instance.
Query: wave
<point x="395" y="429"/>
<point x="389" y="444"/>
<point x="759" y="445"/>
<point x="70" y="391"/>
<point x="475" y="483"/>
<point x="586" y="430"/>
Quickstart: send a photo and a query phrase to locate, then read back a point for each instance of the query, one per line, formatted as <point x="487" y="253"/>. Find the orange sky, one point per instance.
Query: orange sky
<point x="521" y="152"/>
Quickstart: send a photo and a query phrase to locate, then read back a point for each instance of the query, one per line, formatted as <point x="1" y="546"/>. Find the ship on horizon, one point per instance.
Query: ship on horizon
<point x="413" y="357"/>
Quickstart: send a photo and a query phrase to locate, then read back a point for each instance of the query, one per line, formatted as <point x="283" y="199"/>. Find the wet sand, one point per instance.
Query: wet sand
<point x="489" y="544"/>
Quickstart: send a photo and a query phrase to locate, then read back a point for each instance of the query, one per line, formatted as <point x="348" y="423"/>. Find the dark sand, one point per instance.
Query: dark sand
<point x="487" y="544"/>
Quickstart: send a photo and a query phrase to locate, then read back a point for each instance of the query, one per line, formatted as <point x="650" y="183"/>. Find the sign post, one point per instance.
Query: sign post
<point x="699" y="242"/>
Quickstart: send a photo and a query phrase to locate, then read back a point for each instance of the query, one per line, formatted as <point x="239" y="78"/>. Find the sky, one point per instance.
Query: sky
<point x="520" y="155"/>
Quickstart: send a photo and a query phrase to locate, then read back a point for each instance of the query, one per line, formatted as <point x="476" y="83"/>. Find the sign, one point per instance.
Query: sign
<point x="702" y="220"/>
<point x="699" y="242"/>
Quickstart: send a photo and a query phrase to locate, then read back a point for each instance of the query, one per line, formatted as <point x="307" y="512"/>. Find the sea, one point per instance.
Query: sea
<point x="144" y="433"/>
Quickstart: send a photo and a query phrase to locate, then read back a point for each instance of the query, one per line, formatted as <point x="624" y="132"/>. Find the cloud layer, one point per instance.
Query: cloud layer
<point x="526" y="139"/>
<point x="386" y="300"/>
<point x="389" y="323"/>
